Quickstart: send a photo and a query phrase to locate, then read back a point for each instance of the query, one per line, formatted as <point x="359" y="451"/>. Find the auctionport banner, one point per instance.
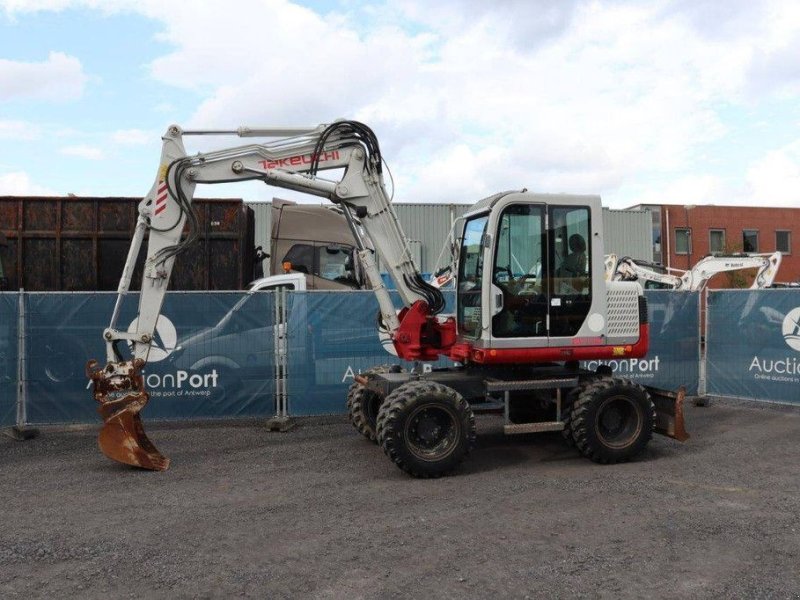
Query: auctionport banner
<point x="332" y="338"/>
<point x="212" y="355"/>
<point x="754" y="344"/>
<point x="9" y="303"/>
<point x="674" y="356"/>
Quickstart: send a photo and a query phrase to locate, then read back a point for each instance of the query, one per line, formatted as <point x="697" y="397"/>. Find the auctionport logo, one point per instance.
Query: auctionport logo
<point x="787" y="368"/>
<point x="165" y="338"/>
<point x="791" y="329"/>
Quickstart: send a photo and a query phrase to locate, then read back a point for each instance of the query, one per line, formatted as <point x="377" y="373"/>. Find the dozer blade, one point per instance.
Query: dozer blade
<point x="669" y="413"/>
<point x="119" y="388"/>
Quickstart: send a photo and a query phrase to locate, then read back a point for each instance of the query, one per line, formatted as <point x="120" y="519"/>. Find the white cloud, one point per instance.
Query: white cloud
<point x="601" y="92"/>
<point x="83" y="151"/>
<point x="19" y="131"/>
<point x="688" y="189"/>
<point x="774" y="179"/>
<point x="59" y="78"/>
<point x="19" y="183"/>
<point x="133" y="137"/>
<point x="470" y="97"/>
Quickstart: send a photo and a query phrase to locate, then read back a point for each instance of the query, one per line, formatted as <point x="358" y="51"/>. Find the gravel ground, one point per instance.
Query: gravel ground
<point x="319" y="512"/>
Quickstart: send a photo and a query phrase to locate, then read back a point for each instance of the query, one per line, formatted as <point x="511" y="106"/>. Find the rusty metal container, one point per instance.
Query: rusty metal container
<point x="80" y="244"/>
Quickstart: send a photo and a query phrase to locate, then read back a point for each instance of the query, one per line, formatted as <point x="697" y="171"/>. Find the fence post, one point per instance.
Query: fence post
<point x="702" y="385"/>
<point x="280" y="335"/>
<point x="21" y="431"/>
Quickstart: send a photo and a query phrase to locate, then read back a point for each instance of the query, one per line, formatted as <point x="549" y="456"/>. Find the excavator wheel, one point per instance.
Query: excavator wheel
<point x="566" y="414"/>
<point x="612" y="420"/>
<point x="426" y="428"/>
<point x="363" y="404"/>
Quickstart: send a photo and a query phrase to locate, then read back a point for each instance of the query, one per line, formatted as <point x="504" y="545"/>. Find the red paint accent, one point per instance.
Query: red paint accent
<point x="463" y="352"/>
<point x="587" y="341"/>
<point x="160" y="209"/>
<point x="421" y="336"/>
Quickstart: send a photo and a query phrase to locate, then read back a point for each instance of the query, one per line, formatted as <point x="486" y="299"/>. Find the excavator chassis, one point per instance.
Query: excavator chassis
<point x="476" y="383"/>
<point x="119" y="388"/>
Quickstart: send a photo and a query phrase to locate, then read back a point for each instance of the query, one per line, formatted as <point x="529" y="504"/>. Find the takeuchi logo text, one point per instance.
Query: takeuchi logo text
<point x="296" y="161"/>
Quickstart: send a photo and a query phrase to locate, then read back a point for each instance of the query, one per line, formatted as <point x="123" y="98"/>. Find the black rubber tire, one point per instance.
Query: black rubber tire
<point x="612" y="420"/>
<point x="429" y="405"/>
<point x="566" y="414"/>
<point x="363" y="404"/>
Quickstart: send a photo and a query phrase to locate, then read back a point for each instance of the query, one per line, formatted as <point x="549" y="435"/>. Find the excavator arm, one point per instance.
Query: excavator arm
<point x="628" y="269"/>
<point x="293" y="160"/>
<point x="705" y="269"/>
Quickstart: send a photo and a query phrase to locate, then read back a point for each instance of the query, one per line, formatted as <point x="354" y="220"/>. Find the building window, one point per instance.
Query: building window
<point x="683" y="241"/>
<point x="716" y="241"/>
<point x="750" y="240"/>
<point x="783" y="242"/>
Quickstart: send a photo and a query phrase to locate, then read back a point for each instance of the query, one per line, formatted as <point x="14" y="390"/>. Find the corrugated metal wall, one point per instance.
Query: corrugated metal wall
<point x="627" y="232"/>
<point x="430" y="225"/>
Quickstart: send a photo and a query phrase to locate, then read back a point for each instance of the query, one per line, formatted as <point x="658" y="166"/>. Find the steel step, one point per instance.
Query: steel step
<point x="515" y="428"/>
<point x="482" y="407"/>
<point x="532" y="384"/>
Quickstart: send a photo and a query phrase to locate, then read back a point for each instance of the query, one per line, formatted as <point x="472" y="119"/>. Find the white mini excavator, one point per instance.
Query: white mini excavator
<point x="652" y="275"/>
<point x="532" y="301"/>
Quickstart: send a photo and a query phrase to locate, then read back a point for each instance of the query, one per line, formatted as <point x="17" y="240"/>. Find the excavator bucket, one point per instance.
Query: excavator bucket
<point x="119" y="388"/>
<point x="669" y="413"/>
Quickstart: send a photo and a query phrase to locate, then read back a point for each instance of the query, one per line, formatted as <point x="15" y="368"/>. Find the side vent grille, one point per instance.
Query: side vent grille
<point x="623" y="309"/>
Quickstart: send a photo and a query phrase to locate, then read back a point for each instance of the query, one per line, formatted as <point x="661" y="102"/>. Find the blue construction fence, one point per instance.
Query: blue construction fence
<point x="753" y="344"/>
<point x="214" y="354"/>
<point x="9" y="342"/>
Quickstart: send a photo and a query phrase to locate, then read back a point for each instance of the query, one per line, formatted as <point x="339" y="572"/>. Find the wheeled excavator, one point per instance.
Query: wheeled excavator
<point x="528" y="309"/>
<point x="696" y="278"/>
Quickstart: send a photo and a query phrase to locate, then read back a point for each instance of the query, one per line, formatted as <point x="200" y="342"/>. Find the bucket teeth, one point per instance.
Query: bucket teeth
<point x="119" y="388"/>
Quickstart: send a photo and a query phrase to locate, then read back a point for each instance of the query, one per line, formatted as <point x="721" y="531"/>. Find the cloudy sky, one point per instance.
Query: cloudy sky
<point x="674" y="101"/>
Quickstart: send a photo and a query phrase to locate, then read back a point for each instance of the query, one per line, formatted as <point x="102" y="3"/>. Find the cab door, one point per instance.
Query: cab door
<point x="518" y="289"/>
<point x="569" y="271"/>
<point x="540" y="289"/>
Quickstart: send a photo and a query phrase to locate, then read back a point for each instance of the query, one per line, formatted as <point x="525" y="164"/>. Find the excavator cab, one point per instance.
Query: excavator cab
<point x="541" y="282"/>
<point x="532" y="284"/>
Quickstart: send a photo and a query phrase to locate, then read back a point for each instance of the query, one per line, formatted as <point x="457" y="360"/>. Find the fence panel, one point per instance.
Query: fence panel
<point x="9" y="314"/>
<point x="212" y="356"/>
<point x="753" y="344"/>
<point x="332" y="337"/>
<point x="674" y="356"/>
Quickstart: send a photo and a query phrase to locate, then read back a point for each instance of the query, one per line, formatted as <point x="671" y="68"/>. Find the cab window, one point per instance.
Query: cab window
<point x="335" y="263"/>
<point x="470" y="271"/>
<point x="302" y="258"/>
<point x="517" y="272"/>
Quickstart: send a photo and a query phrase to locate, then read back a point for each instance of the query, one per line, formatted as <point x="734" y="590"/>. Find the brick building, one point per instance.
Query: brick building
<point x="683" y="234"/>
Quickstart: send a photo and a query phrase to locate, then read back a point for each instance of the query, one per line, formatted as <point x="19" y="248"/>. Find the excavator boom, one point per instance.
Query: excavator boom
<point x="293" y="160"/>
